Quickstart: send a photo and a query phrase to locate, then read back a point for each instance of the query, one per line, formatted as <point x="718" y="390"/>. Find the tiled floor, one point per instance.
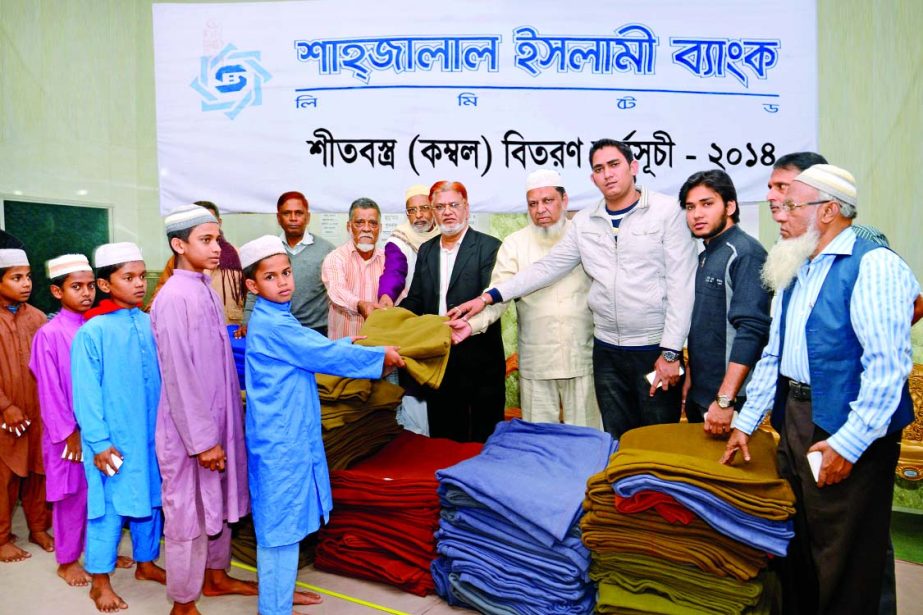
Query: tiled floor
<point x="32" y="588"/>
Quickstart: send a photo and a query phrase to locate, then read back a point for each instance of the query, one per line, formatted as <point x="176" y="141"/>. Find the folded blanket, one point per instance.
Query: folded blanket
<point x="757" y="532"/>
<point x="615" y="599"/>
<point x="489" y="526"/>
<point x="380" y="396"/>
<point x="684" y="453"/>
<point x="359" y="439"/>
<point x="386" y="511"/>
<point x="684" y="585"/>
<point x="424" y="341"/>
<point x="337" y="388"/>
<point x="534" y="474"/>
<point x="647" y="533"/>
<point x="663" y="504"/>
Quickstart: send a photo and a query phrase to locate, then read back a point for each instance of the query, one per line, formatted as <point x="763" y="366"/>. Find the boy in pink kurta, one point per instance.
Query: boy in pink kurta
<point x="74" y="285"/>
<point x="199" y="436"/>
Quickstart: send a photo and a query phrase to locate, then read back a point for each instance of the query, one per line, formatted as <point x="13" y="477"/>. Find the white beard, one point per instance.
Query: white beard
<point x="365" y="247"/>
<point x="423" y="226"/>
<point x="451" y="230"/>
<point x="549" y="235"/>
<point x="786" y="257"/>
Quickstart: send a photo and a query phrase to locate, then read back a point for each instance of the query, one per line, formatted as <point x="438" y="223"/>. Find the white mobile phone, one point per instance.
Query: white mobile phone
<point x="650" y="376"/>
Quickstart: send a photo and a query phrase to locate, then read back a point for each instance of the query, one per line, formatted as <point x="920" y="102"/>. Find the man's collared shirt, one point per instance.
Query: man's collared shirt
<point x="349" y="279"/>
<point x="306" y="241"/>
<point x="446" y="266"/>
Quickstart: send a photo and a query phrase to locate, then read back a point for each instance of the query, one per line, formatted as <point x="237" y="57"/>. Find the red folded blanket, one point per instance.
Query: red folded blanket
<point x="665" y="505"/>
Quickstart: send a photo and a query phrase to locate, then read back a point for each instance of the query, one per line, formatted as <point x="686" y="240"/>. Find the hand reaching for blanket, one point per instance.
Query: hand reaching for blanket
<point x="461" y="330"/>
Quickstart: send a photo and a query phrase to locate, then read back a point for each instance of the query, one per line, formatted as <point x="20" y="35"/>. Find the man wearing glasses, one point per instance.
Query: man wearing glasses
<point x="351" y="272"/>
<point x="451" y="269"/>
<point x="834" y="374"/>
<point x="400" y="262"/>
<point x="403" y="245"/>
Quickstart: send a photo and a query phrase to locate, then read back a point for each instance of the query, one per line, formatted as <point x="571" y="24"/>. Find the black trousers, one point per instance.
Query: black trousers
<point x="468" y="405"/>
<point x="623" y="392"/>
<point x="837" y="560"/>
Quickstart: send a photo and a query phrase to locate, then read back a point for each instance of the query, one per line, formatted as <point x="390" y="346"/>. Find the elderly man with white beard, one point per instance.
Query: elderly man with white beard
<point x="555" y="324"/>
<point x="351" y="272"/>
<point x="834" y="374"/>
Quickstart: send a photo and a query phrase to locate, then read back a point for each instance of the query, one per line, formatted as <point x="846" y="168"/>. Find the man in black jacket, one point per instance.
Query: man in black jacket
<point x="451" y="269"/>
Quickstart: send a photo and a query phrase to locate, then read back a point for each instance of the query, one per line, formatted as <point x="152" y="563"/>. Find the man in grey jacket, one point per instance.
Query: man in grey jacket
<point x="638" y="252"/>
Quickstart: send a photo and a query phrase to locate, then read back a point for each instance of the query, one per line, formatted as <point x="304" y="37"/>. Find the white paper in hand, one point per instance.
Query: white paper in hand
<point x="814" y="460"/>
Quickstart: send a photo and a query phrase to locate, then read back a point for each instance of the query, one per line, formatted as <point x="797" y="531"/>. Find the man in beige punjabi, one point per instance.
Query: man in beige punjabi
<point x="555" y="324"/>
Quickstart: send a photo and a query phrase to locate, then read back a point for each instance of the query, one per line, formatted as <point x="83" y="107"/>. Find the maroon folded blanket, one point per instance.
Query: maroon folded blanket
<point x="386" y="510"/>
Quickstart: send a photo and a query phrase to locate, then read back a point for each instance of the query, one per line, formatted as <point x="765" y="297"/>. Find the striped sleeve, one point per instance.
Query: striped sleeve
<point x="761" y="390"/>
<point x="881" y="309"/>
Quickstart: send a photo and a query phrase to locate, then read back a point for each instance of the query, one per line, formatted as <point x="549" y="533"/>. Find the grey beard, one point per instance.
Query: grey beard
<point x="786" y="257"/>
<point x="365" y="247"/>
<point x="450" y="230"/>
<point x="423" y="226"/>
<point x="551" y="234"/>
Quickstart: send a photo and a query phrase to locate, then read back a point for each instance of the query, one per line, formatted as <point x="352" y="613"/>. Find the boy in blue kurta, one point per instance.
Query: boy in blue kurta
<point x="116" y="387"/>
<point x="289" y="482"/>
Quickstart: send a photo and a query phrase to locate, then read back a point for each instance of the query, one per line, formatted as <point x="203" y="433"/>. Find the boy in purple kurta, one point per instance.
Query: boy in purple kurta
<point x="199" y="436"/>
<point x="74" y="285"/>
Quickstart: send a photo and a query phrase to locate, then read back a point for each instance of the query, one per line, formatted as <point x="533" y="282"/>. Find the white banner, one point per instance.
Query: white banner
<point x="342" y="99"/>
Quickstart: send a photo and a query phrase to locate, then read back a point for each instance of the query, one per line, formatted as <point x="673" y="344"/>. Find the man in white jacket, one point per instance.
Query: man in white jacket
<point x="555" y="324"/>
<point x="638" y="252"/>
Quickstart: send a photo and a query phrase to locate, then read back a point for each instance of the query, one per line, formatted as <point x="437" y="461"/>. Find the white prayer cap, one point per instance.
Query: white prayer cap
<point x="116" y="253"/>
<point x="544" y="178"/>
<point x="187" y="216"/>
<point x="260" y="248"/>
<point x="416" y="190"/>
<point x="66" y="264"/>
<point x="833" y="180"/>
<point x="13" y="257"/>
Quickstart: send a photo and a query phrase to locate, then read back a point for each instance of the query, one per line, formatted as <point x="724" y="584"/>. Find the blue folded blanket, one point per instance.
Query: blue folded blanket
<point x="459" y="588"/>
<point x="533" y="474"/>
<point x="486" y="526"/>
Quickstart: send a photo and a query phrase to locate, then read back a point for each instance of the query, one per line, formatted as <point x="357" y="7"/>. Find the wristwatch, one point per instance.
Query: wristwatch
<point x="724" y="402"/>
<point x="670" y="356"/>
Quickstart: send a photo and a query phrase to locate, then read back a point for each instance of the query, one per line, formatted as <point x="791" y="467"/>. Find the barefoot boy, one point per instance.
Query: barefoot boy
<point x="21" y="470"/>
<point x="289" y="482"/>
<point x="200" y="428"/>
<point x="116" y="386"/>
<point x="74" y="285"/>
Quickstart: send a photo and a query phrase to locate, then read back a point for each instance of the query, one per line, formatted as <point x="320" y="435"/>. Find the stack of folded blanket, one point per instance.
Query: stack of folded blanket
<point x="509" y="540"/>
<point x="385" y="513"/>
<point x="672" y="530"/>
<point x="357" y="416"/>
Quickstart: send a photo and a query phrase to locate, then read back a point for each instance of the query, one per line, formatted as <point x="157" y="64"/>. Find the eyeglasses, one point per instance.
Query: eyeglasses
<point x="412" y="211"/>
<point x="789" y="205"/>
<point x="453" y="206"/>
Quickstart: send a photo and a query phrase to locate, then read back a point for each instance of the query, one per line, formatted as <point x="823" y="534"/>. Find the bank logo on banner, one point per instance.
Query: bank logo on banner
<point x="231" y="81"/>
